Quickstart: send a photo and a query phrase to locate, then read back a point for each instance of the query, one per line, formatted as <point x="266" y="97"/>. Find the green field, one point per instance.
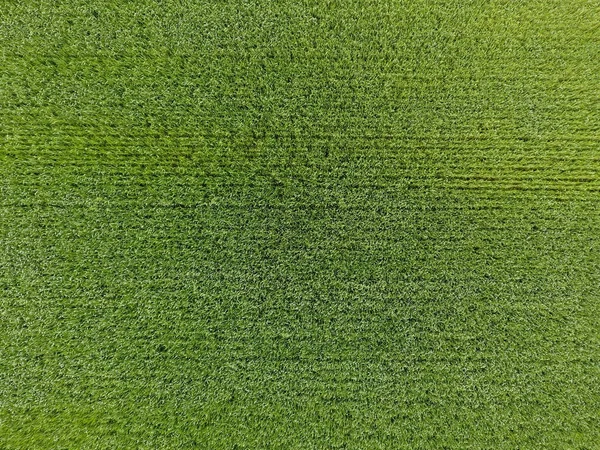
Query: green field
<point x="300" y="224"/>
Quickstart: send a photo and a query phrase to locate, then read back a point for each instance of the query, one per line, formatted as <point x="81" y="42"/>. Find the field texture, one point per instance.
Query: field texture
<point x="360" y="224"/>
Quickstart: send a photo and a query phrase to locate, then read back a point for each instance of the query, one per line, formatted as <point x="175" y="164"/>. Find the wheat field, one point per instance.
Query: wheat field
<point x="300" y="224"/>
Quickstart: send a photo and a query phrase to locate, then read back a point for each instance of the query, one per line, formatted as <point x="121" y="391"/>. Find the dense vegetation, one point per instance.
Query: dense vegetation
<point x="299" y="224"/>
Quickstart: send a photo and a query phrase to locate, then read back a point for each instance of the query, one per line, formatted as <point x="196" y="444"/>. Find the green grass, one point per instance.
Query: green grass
<point x="256" y="224"/>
